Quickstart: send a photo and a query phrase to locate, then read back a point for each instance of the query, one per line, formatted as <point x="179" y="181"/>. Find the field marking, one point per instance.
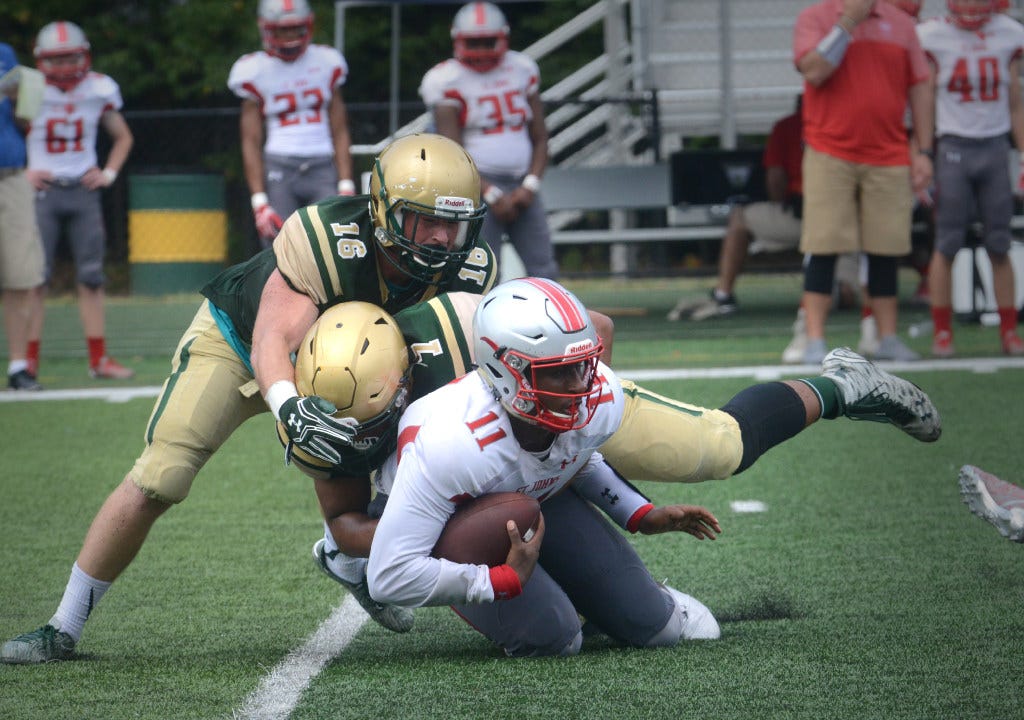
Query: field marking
<point x="748" y="506"/>
<point x="279" y="692"/>
<point x="757" y="372"/>
<point x="774" y="372"/>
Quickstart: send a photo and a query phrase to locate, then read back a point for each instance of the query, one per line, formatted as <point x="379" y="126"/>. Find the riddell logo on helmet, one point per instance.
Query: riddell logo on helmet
<point x="461" y="204"/>
<point x="579" y="348"/>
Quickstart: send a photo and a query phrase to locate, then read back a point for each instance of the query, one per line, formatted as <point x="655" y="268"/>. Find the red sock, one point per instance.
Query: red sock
<point x="1007" y="320"/>
<point x="865" y="311"/>
<point x="32" y="356"/>
<point x="942" y="319"/>
<point x="97" y="349"/>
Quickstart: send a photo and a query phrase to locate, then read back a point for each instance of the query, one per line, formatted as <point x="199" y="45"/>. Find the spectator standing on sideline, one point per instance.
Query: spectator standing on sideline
<point x="487" y="98"/>
<point x="21" y="251"/>
<point x="294" y="125"/>
<point x="976" y="56"/>
<point x="63" y="168"/>
<point x="862" y="63"/>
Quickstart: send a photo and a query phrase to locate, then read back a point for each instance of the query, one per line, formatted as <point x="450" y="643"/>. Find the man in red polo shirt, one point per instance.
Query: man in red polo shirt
<point x="862" y="65"/>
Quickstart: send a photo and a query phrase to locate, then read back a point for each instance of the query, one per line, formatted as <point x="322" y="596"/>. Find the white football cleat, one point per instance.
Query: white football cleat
<point x="870" y="393"/>
<point x="869" y="342"/>
<point x="997" y="501"/>
<point x="794" y="352"/>
<point x="698" y="622"/>
<point x="394" y="618"/>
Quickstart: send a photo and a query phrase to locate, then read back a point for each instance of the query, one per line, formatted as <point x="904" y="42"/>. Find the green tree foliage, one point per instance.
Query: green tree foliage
<point x="177" y="54"/>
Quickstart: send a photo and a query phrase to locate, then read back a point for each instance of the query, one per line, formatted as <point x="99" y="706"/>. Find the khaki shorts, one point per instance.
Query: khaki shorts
<point x="209" y="393"/>
<point x="851" y="206"/>
<point x="669" y="441"/>
<point x="21" y="250"/>
<point x="774" y="228"/>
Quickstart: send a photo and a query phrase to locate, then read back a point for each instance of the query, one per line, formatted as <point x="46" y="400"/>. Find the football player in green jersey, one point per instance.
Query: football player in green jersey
<point x="659" y="439"/>
<point x="413" y="237"/>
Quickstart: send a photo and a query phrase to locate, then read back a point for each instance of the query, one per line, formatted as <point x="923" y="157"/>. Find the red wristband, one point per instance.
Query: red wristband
<point x="505" y="582"/>
<point x="634" y="520"/>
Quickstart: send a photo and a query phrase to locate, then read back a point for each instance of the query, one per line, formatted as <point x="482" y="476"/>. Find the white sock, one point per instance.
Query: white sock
<point x="348" y="568"/>
<point x="81" y="595"/>
<point x="16" y="366"/>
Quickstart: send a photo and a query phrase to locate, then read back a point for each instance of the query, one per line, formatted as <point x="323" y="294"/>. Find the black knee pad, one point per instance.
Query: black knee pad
<point x="882" y="275"/>
<point x="819" y="274"/>
<point x="768" y="414"/>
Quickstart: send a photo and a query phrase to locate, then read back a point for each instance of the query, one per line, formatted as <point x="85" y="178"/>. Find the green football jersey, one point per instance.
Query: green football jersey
<point x="440" y="333"/>
<point x="328" y="252"/>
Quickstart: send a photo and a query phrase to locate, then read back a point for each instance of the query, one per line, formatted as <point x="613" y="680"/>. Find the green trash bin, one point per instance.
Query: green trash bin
<point x="177" y="232"/>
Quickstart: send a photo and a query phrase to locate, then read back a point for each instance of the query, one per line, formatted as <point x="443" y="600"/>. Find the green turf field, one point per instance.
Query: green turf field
<point x="864" y="590"/>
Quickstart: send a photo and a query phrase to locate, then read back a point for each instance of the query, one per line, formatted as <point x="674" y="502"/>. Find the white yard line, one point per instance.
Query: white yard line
<point x="757" y="372"/>
<point x="280" y="691"/>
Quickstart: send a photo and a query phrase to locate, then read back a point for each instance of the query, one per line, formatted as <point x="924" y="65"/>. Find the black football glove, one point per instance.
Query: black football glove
<point x="312" y="428"/>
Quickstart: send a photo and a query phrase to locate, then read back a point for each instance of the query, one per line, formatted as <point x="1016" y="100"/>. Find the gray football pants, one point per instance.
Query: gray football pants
<point x="293" y="182"/>
<point x="586" y="568"/>
<point x="529" y="233"/>
<point x="972" y="173"/>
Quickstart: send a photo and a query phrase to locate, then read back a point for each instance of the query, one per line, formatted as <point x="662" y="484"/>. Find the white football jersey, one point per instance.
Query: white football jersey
<point x="971" y="93"/>
<point x="62" y="138"/>
<point x="493" y="109"/>
<point x="455" y="443"/>
<point x="293" y="96"/>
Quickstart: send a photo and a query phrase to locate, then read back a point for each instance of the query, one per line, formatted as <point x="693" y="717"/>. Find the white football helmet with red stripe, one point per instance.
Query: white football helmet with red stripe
<point x="286" y="27"/>
<point x="531" y="325"/>
<point x="62" y="54"/>
<point x="970" y="14"/>
<point x="480" y="36"/>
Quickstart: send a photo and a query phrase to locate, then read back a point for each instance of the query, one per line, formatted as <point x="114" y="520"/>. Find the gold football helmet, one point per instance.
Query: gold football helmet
<point x="356" y="357"/>
<point x="425" y="176"/>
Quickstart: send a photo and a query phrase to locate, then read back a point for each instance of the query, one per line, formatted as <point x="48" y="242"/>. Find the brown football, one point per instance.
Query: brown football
<point x="476" y="534"/>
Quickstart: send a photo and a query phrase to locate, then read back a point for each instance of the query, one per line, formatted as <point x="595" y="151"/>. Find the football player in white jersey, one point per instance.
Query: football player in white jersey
<point x="975" y="54"/>
<point x="538" y="353"/>
<point x="487" y="98"/>
<point x="64" y="169"/>
<point x="294" y="125"/>
<point x="531" y="420"/>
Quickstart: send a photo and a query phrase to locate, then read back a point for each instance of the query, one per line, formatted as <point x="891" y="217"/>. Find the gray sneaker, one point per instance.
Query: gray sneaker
<point x="815" y="351"/>
<point x="46" y="644"/>
<point x="997" y="501"/>
<point x="892" y="348"/>
<point x="394" y="618"/>
<point x="869" y="393"/>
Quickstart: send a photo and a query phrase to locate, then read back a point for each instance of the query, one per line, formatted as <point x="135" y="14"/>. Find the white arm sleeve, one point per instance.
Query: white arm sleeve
<point x="400" y="569"/>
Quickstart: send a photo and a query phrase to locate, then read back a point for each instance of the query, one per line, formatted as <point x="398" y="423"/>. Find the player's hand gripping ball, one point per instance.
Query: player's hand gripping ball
<point x="475" y="533"/>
